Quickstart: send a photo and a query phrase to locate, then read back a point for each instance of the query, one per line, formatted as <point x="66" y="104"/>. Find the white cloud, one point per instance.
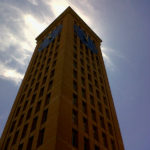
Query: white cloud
<point x="58" y="6"/>
<point x="32" y="28"/>
<point x="10" y="74"/>
<point x="17" y="43"/>
<point x="107" y="58"/>
<point x="34" y="2"/>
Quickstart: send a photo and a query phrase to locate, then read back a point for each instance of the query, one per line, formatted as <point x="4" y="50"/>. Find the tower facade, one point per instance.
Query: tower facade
<point x="64" y="101"/>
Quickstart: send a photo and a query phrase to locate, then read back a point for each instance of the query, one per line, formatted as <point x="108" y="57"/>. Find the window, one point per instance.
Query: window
<point x="83" y="93"/>
<point x="87" y="51"/>
<point x="20" y="147"/>
<point x="50" y="84"/>
<point x="110" y="128"/>
<point x="96" y="83"/>
<point x="29" y="92"/>
<point x="75" y="86"/>
<point x="75" y="64"/>
<point x="40" y="137"/>
<point x="22" y="98"/>
<point x="38" y="106"/>
<point x="24" y="131"/>
<point x="83" y="81"/>
<point x="55" y="55"/>
<point x="101" y="80"/>
<point x="113" y="145"/>
<point x="29" y="114"/>
<point x="82" y="70"/>
<point x="81" y="47"/>
<point x="25" y="105"/>
<point x="97" y="94"/>
<point x="33" y="98"/>
<point x="20" y="120"/>
<point x="30" y="141"/>
<point x="82" y="62"/>
<point x="86" y="144"/>
<point x="75" y="55"/>
<point x="94" y="74"/>
<point x="52" y="73"/>
<point x="75" y="74"/>
<point x="44" y="58"/>
<point x="12" y="126"/>
<point x="17" y="112"/>
<point x="41" y="92"/>
<point x="54" y="63"/>
<point x="85" y="124"/>
<point x="107" y="113"/>
<point x="89" y="77"/>
<point x="32" y="81"/>
<point x="75" y="100"/>
<point x="37" y="64"/>
<point x="75" y="40"/>
<point x="75" y="48"/>
<point x="100" y="107"/>
<point x="47" y="100"/>
<point x="102" y="122"/>
<point x="48" y="61"/>
<point x="74" y="138"/>
<point x="93" y="115"/>
<point x="95" y="133"/>
<point x="29" y="77"/>
<point x="34" y="122"/>
<point x="94" y="66"/>
<point x="90" y="88"/>
<point x="44" y="116"/>
<point x="75" y="117"/>
<point x="87" y="59"/>
<point x="104" y="139"/>
<point x="102" y="88"/>
<point x="46" y="70"/>
<point x="26" y="87"/>
<point x="42" y="66"/>
<point x="96" y="147"/>
<point x="7" y="144"/>
<point x="50" y="54"/>
<point x="84" y="107"/>
<point x="92" y="100"/>
<point x="44" y="80"/>
<point x="88" y="68"/>
<point x="105" y="100"/>
<point x="15" y="137"/>
<point x="39" y="76"/>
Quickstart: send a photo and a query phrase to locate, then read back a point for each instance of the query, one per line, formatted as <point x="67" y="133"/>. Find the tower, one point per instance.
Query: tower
<point x="64" y="101"/>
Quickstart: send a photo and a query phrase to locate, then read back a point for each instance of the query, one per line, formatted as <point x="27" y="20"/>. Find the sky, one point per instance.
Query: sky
<point x="123" y="26"/>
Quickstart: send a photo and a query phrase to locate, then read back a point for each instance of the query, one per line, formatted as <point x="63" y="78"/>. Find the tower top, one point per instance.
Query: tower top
<point x="68" y="10"/>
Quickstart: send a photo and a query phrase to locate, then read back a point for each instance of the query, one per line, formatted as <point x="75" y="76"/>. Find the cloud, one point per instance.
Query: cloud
<point x="10" y="74"/>
<point x="108" y="58"/>
<point x="17" y="39"/>
<point x="33" y="2"/>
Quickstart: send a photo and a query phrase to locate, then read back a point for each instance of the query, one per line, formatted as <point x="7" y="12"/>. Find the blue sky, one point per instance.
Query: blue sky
<point x="124" y="27"/>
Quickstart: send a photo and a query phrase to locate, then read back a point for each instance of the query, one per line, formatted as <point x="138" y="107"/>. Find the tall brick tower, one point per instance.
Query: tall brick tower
<point x="64" y="101"/>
